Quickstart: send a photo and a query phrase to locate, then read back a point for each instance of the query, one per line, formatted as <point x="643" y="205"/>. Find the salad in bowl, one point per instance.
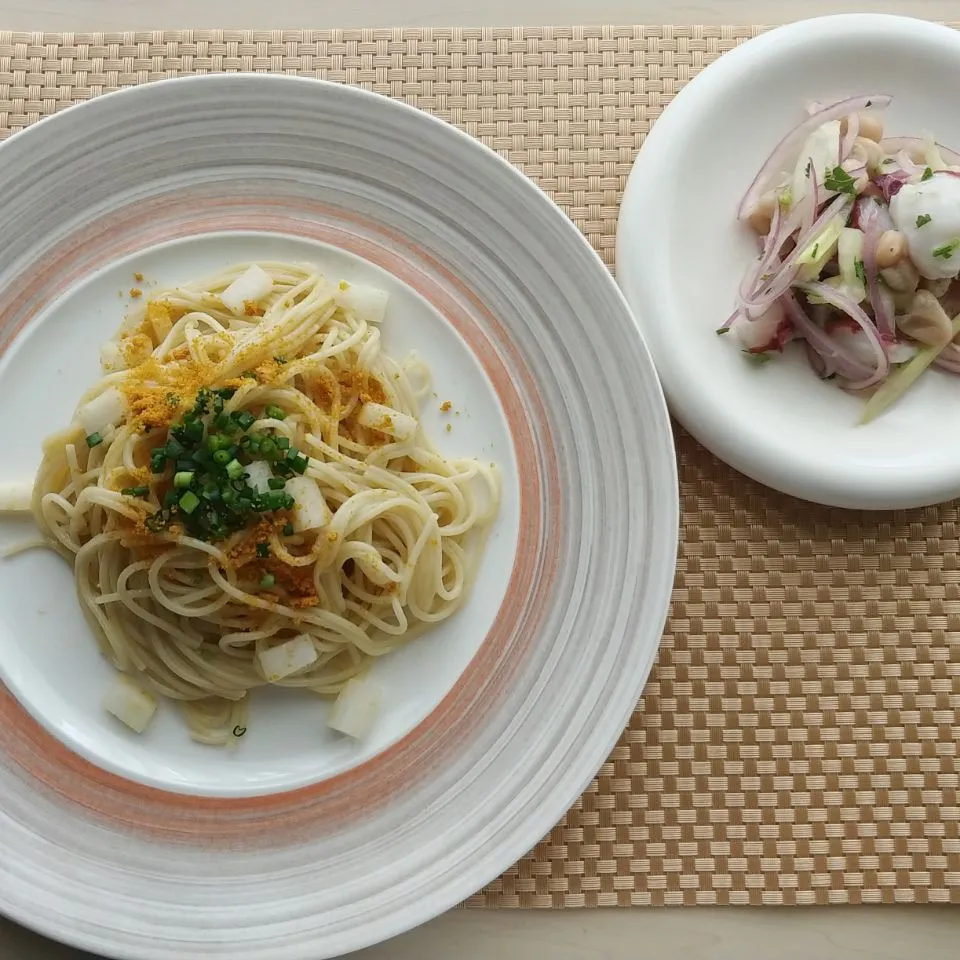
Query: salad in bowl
<point x="858" y="239"/>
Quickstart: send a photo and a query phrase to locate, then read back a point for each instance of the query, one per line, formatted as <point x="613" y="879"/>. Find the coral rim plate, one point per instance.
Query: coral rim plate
<point x="681" y="255"/>
<point x="296" y="845"/>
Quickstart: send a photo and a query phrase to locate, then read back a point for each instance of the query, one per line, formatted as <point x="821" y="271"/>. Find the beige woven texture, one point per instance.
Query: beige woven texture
<point x="797" y="741"/>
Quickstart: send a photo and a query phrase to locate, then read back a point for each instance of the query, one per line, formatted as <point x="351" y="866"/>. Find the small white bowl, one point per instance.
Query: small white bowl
<point x="681" y="254"/>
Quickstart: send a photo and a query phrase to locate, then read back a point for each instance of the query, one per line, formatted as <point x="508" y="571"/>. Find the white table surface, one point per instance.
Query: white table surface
<point x="700" y="933"/>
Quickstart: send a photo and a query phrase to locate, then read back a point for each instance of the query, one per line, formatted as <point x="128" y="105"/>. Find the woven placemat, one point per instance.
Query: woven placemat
<point x="797" y="742"/>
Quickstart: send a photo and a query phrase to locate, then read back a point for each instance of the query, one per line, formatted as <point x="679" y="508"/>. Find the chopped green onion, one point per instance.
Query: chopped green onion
<point x="234" y="469"/>
<point x="945" y="250"/>
<point x="276" y="483"/>
<point x="174" y="448"/>
<point x="282" y="443"/>
<point x="300" y="464"/>
<point x="222" y="457"/>
<point x="275" y="413"/>
<point x="194" y="430"/>
<point x="288" y="529"/>
<point x="263" y="549"/>
<point x="135" y="491"/>
<point x="189" y="502"/>
<point x="923" y="220"/>
<point x="94" y="440"/>
<point x="267" y="447"/>
<point x="268" y="580"/>
<point x="170" y="499"/>
<point x="927" y="174"/>
<point x="183" y="479"/>
<point x="245" y="419"/>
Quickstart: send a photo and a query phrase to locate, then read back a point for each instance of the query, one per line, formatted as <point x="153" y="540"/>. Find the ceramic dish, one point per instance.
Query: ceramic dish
<point x="292" y="847"/>
<point x="681" y="254"/>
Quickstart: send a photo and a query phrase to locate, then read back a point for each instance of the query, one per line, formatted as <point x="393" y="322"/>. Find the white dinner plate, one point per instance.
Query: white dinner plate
<point x="681" y="254"/>
<point x="295" y="844"/>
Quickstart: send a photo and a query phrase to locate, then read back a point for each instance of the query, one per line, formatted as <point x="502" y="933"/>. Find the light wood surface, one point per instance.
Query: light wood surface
<point x="701" y="933"/>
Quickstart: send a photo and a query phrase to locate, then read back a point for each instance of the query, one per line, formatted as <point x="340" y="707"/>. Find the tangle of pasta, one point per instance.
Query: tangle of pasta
<point x="250" y="476"/>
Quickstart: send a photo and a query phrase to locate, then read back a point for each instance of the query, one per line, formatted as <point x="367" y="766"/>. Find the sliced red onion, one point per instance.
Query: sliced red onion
<point x="836" y="359"/>
<point x="771" y="243"/>
<point x="782" y="154"/>
<point x="872" y="217"/>
<point x="843" y="303"/>
<point x="894" y="145"/>
<point x="846" y="143"/>
<point x="782" y="281"/>
<point x="907" y="165"/>
<point x="869" y="209"/>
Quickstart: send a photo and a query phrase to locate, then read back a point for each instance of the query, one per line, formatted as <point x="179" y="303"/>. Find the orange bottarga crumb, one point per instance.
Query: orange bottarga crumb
<point x="252" y="309"/>
<point x="156" y="392"/>
<point x="136" y="293"/>
<point x="138" y="277"/>
<point x="446" y="406"/>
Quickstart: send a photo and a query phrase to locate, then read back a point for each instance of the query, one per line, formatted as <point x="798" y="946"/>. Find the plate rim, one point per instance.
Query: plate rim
<point x="616" y="711"/>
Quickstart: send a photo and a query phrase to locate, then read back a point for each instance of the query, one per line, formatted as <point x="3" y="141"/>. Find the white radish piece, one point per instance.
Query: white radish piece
<point x="250" y="287"/>
<point x="259" y="475"/>
<point x="375" y="416"/>
<point x="367" y="303"/>
<point x="129" y="704"/>
<point x="287" y="658"/>
<point x="356" y="709"/>
<point x="15" y="497"/>
<point x="103" y="411"/>
<point x="310" y="510"/>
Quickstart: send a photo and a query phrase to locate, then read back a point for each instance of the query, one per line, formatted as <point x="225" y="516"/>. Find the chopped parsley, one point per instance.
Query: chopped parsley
<point x="840" y="181"/>
<point x="945" y="250"/>
<point x="927" y="174"/>
<point x="923" y="219"/>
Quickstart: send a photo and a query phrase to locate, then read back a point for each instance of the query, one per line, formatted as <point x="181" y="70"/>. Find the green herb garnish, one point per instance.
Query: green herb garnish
<point x="839" y="180"/>
<point x="757" y="359"/>
<point x="923" y="219"/>
<point x="94" y="440"/>
<point x="945" y="250"/>
<point x="720" y="331"/>
<point x="860" y="270"/>
<point x="268" y="580"/>
<point x="135" y="491"/>
<point x="927" y="174"/>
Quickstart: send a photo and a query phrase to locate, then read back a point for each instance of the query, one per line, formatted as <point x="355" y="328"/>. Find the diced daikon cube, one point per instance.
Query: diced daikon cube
<point x="310" y="510"/>
<point x="129" y="704"/>
<point x="287" y="658"/>
<point x="252" y="285"/>
<point x="368" y="303"/>
<point x="15" y="497"/>
<point x="376" y="416"/>
<point x="258" y="475"/>
<point x="355" y="710"/>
